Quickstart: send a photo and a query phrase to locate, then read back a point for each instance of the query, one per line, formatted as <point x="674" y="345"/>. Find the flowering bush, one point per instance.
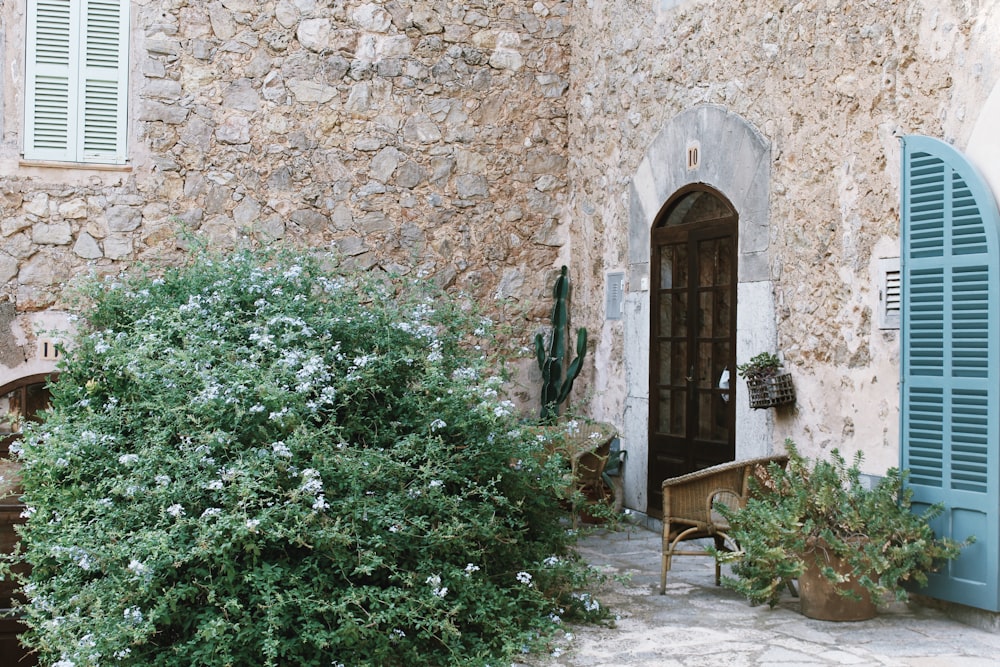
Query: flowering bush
<point x="255" y="460"/>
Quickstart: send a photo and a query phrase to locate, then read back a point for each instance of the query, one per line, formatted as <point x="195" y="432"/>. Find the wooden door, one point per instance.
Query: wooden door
<point x="22" y="399"/>
<point x="692" y="337"/>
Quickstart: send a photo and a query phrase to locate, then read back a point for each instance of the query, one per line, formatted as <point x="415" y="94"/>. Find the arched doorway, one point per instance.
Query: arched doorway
<point x="733" y="158"/>
<point x="19" y="400"/>
<point x="693" y="266"/>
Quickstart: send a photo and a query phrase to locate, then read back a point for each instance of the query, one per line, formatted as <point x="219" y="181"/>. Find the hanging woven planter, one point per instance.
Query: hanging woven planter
<point x="770" y="391"/>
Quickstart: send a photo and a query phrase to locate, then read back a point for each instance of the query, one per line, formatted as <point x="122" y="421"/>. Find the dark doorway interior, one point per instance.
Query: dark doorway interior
<point x="693" y="271"/>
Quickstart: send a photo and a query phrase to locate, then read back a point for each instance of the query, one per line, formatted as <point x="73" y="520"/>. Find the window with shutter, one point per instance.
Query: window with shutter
<point x="76" y="80"/>
<point x="950" y="384"/>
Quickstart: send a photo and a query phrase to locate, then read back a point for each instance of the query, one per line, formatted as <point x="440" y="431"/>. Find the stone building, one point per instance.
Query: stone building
<point x="485" y="143"/>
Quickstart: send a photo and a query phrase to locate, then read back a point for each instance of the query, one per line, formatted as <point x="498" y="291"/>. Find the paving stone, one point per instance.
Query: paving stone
<point x="699" y="624"/>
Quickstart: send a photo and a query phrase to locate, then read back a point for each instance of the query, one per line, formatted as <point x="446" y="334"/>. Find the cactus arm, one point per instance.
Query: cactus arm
<point x="574" y="368"/>
<point x="540" y="351"/>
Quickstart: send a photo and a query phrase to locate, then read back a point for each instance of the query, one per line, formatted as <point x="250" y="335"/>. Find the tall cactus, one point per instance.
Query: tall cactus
<point x="555" y="388"/>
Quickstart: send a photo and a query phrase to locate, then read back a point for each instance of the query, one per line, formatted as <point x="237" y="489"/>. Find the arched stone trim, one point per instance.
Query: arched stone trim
<point x="735" y="159"/>
<point x="28" y="340"/>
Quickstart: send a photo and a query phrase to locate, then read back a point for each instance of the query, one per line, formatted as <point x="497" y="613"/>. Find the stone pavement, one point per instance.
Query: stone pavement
<point x="698" y="624"/>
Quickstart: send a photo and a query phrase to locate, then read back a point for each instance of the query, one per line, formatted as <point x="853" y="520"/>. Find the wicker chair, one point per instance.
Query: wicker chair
<point x="689" y="501"/>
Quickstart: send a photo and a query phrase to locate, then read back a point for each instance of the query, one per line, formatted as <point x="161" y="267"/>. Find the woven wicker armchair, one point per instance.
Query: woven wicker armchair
<point x="689" y="501"/>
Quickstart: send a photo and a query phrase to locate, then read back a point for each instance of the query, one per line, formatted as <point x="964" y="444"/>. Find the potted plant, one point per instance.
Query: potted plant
<point x="766" y="383"/>
<point x="847" y="544"/>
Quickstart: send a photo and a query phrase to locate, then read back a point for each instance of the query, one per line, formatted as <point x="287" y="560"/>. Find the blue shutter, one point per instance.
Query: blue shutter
<point x="950" y="390"/>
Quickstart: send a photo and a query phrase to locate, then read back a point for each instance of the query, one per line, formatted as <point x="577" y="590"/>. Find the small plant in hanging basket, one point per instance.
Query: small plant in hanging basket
<point x="766" y="383"/>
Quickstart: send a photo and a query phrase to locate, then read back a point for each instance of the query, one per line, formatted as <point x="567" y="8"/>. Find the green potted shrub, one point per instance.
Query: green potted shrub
<point x="847" y="544"/>
<point x="767" y="384"/>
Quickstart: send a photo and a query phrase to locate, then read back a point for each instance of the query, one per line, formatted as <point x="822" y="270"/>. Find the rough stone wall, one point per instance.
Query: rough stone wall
<point x="829" y="83"/>
<point x="417" y="137"/>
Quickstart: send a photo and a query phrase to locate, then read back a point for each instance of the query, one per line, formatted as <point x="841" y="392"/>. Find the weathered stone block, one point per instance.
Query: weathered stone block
<point x="311" y="91"/>
<point x="234" y="130"/>
<point x="86" y="246"/>
<point x="42" y="270"/>
<point x="123" y="218"/>
<point x="409" y="174"/>
<point x="310" y="219"/>
<point x="166" y="89"/>
<point x="171" y="114"/>
<point x="427" y="21"/>
<point x="352" y="246"/>
<point x="13" y="224"/>
<point x="471" y="186"/>
<point x="371" y="17"/>
<point x="420" y="128"/>
<point x="8" y="268"/>
<point x="57" y="233"/>
<point x="38" y="205"/>
<point x="74" y="209"/>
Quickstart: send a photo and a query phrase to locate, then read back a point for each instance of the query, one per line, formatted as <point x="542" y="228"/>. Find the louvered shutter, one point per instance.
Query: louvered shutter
<point x="77" y="80"/>
<point x="104" y="86"/>
<point x="50" y="94"/>
<point x="950" y="390"/>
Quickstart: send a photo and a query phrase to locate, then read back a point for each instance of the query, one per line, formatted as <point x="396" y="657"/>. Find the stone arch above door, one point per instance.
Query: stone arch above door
<point x="710" y="145"/>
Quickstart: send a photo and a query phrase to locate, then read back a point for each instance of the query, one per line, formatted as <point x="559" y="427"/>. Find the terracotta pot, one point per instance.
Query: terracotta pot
<point x="819" y="597"/>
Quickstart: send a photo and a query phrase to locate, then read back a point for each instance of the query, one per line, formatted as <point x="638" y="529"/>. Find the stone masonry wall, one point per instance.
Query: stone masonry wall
<point x="829" y="84"/>
<point x="426" y="138"/>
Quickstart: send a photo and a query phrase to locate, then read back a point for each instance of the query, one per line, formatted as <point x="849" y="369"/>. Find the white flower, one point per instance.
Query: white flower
<point x="434" y="581"/>
<point x="162" y="480"/>
<point x="133" y="615"/>
<point x="320" y="503"/>
<point x="211" y="511"/>
<point x="589" y="603"/>
<point x="252" y="524"/>
<point x="503" y="408"/>
<point x="175" y="510"/>
<point x="524" y="578"/>
<point x="470" y="568"/>
<point x="214" y="485"/>
<point x="551" y="561"/>
<point x="438" y="424"/>
<point x="436" y="483"/>
<point x="27" y="512"/>
<point x="281" y="449"/>
<point x="311" y="481"/>
<point x="137" y="567"/>
<point x="128" y="459"/>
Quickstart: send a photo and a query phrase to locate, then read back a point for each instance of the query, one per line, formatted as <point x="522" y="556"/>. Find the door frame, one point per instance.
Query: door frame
<point x="691" y="233"/>
<point x="735" y="159"/>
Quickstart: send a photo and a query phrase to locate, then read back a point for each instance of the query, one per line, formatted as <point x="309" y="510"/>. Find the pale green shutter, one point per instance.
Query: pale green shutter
<point x="950" y="334"/>
<point x="104" y="81"/>
<point x="77" y="80"/>
<point x="50" y="93"/>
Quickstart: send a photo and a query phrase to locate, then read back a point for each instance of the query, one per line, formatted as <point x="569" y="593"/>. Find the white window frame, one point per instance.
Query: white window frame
<point x="76" y="81"/>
